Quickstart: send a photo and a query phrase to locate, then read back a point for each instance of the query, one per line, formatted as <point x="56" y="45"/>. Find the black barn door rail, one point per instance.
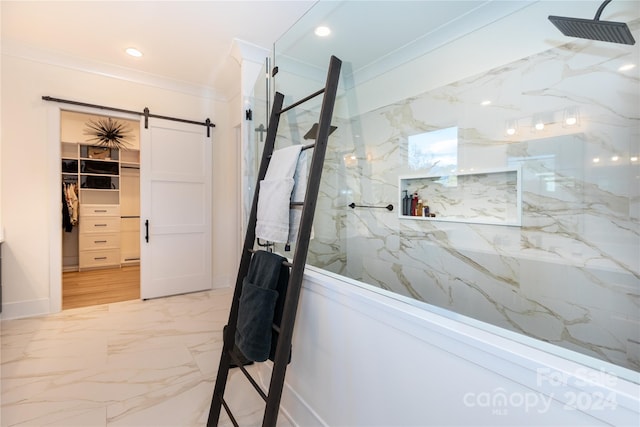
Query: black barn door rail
<point x="144" y="113"/>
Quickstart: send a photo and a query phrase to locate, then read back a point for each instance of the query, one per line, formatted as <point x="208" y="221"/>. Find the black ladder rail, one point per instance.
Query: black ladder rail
<point x="229" y="335"/>
<point x="302" y="245"/>
<point x="285" y="330"/>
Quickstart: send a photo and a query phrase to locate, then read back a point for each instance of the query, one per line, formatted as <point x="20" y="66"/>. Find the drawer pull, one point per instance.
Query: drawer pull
<point x="100" y="258"/>
<point x="99" y="225"/>
<point x="99" y="210"/>
<point x="99" y="241"/>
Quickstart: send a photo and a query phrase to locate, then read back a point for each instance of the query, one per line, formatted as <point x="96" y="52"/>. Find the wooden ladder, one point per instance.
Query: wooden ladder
<point x="285" y="330"/>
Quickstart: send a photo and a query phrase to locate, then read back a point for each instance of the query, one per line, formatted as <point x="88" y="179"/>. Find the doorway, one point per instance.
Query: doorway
<point x="100" y="167"/>
<point x="100" y="286"/>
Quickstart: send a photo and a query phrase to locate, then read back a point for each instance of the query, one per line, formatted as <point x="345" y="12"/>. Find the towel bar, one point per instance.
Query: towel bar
<point x="388" y="207"/>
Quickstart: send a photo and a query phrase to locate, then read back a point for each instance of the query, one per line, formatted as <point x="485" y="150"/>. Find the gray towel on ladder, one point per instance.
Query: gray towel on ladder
<point x="258" y="304"/>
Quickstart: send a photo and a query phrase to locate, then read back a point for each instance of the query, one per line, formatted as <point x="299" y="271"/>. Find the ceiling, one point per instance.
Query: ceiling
<point x="191" y="41"/>
<point x="374" y="37"/>
<point x="186" y="41"/>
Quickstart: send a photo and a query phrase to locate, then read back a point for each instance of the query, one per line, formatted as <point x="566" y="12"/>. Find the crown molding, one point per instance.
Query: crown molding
<point x="245" y="51"/>
<point x="60" y="59"/>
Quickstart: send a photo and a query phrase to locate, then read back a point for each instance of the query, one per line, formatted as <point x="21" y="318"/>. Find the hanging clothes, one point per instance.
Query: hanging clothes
<point x="72" y="200"/>
<point x="70" y="206"/>
<point x="66" y="219"/>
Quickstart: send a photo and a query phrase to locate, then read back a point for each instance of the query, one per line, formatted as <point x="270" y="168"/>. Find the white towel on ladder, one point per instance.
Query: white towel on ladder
<point x="272" y="221"/>
<point x="297" y="195"/>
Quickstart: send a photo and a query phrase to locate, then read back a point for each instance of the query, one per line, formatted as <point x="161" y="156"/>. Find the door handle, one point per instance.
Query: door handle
<point x="146" y="233"/>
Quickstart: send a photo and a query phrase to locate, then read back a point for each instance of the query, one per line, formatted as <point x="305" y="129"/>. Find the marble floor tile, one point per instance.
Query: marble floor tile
<point x="133" y="363"/>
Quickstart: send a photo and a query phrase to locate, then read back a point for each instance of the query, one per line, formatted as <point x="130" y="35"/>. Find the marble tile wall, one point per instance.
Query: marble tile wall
<point x="570" y="274"/>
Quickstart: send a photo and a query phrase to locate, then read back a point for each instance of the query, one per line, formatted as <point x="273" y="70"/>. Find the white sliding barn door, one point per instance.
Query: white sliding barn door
<point x="175" y="199"/>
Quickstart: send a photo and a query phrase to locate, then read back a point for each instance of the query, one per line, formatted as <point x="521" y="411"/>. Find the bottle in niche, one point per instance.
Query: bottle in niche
<point x="426" y="210"/>
<point x="406" y="203"/>
<point x="414" y="204"/>
<point x="419" y="208"/>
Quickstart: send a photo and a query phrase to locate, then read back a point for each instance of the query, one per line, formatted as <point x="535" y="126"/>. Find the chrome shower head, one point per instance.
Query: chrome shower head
<point x="594" y="29"/>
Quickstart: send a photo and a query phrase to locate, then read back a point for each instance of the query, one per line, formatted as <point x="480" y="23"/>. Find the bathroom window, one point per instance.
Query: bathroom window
<point x="435" y="150"/>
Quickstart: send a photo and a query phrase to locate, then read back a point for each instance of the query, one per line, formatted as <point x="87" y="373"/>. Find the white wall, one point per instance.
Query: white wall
<point x="363" y="357"/>
<point x="26" y="161"/>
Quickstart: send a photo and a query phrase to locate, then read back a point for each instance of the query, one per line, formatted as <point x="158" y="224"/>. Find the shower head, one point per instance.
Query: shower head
<point x="313" y="132"/>
<point x="594" y="29"/>
<point x="606" y="31"/>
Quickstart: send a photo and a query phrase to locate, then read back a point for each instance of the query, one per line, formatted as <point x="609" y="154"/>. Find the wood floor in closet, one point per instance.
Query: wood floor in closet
<point x="94" y="287"/>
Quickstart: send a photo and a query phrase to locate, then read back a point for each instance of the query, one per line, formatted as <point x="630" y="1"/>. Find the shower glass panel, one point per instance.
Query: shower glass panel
<point x="258" y="107"/>
<point x="547" y="123"/>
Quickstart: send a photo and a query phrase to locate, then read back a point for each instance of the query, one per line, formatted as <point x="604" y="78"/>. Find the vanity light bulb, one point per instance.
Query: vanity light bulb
<point x="596" y="160"/>
<point x="634" y="159"/>
<point x="511" y="131"/>
<point x="614" y="158"/>
<point x="571" y="121"/>
<point x="539" y="126"/>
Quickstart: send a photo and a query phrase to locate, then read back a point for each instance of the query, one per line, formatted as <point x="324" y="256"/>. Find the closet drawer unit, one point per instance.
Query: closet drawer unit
<point x="99" y="210"/>
<point x="100" y="259"/>
<point x="99" y="224"/>
<point x="95" y="241"/>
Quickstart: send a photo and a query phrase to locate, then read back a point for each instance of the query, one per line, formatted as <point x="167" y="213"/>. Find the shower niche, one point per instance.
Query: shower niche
<point x="481" y="197"/>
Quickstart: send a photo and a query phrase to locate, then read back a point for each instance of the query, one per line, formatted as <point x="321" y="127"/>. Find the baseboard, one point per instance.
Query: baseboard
<point x="292" y="405"/>
<point x="220" y="282"/>
<point x="18" y="310"/>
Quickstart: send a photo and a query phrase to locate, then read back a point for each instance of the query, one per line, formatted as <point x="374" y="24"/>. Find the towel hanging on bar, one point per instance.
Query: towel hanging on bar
<point x="263" y="291"/>
<point x="272" y="221"/>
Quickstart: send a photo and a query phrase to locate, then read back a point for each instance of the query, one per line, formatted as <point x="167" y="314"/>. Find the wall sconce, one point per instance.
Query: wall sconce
<point x="571" y="117"/>
<point x="537" y="123"/>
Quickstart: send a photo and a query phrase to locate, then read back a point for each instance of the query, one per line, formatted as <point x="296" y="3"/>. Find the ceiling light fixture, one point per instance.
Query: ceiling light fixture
<point x="485" y="103"/>
<point x="322" y="31"/>
<point x="133" y="52"/>
<point x="627" y="67"/>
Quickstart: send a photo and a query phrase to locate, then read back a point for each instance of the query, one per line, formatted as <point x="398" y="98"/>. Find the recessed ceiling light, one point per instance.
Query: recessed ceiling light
<point x="627" y="67"/>
<point x="133" y="52"/>
<point x="322" y="31"/>
<point x="485" y="103"/>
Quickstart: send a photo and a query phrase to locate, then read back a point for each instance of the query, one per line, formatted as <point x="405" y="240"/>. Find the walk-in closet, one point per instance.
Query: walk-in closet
<point x="100" y="166"/>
